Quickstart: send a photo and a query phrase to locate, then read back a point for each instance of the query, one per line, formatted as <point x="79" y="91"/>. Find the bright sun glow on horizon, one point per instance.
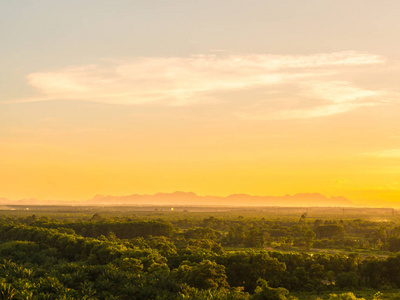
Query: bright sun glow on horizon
<point x="133" y="98"/>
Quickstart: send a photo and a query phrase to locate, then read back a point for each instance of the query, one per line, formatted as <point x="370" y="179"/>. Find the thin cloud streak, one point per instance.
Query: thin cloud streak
<point x="342" y="97"/>
<point x="180" y="81"/>
<point x="329" y="98"/>
<point x="390" y="153"/>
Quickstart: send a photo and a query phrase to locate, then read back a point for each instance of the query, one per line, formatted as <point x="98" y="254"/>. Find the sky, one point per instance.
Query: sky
<point x="213" y="97"/>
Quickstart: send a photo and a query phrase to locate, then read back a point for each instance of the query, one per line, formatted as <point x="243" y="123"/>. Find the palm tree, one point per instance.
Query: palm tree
<point x="6" y="291"/>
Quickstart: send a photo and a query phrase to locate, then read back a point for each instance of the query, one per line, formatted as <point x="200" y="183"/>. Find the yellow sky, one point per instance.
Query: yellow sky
<point x="145" y="99"/>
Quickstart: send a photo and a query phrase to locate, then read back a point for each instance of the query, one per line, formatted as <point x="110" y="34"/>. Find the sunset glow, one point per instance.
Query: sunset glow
<point x="259" y="98"/>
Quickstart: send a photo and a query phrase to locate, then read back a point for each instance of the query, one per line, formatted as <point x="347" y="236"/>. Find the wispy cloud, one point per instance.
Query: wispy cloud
<point x="328" y="98"/>
<point x="390" y="153"/>
<point x="201" y="78"/>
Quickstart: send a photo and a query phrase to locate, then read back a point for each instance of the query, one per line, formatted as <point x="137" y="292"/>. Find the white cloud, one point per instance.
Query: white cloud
<point x="341" y="97"/>
<point x="338" y="91"/>
<point x="200" y="78"/>
<point x="320" y="99"/>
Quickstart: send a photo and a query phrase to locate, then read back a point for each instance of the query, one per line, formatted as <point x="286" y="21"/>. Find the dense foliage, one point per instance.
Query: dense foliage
<point x="209" y="258"/>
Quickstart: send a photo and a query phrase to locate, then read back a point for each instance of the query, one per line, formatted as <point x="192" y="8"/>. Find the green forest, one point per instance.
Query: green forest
<point x="204" y="255"/>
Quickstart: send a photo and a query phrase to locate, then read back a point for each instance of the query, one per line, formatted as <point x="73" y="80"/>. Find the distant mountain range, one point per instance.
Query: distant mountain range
<point x="192" y="199"/>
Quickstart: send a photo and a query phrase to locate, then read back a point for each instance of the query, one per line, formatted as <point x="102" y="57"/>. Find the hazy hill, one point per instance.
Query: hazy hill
<point x="182" y="198"/>
<point x="189" y="198"/>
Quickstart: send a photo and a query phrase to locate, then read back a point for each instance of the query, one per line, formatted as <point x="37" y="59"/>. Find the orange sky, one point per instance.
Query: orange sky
<point x="144" y="99"/>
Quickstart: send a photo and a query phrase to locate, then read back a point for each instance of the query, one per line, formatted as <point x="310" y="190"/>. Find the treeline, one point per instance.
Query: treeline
<point x="301" y="233"/>
<point x="241" y="232"/>
<point x="128" y="259"/>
